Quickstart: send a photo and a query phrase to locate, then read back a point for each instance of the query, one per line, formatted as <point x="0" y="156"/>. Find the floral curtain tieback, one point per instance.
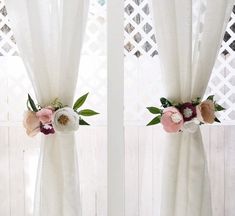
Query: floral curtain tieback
<point x="176" y="117"/>
<point x="55" y="117"/>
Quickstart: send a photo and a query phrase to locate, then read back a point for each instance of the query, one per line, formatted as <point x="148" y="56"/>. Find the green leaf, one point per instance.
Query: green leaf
<point x="154" y="121"/>
<point x="196" y="101"/>
<point x="28" y="106"/>
<point x="83" y="122"/>
<point x="87" y="112"/>
<point x="154" y="110"/>
<point x="80" y="101"/>
<point x="219" y="108"/>
<point x="165" y="102"/>
<point x="217" y="120"/>
<point x="32" y="104"/>
<point x="211" y="97"/>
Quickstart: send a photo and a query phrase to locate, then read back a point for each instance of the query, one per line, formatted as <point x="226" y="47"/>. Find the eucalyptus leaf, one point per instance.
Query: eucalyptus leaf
<point x="154" y="110"/>
<point x="155" y="121"/>
<point x="87" y="112"/>
<point x="217" y="120"/>
<point x="83" y="122"/>
<point x="219" y="108"/>
<point x="211" y="97"/>
<point x="80" y="101"/>
<point x="165" y="102"/>
<point x="32" y="104"/>
<point x="28" y="106"/>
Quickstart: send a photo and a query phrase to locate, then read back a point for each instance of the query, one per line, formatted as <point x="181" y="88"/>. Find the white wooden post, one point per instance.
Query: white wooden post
<point x="116" y="146"/>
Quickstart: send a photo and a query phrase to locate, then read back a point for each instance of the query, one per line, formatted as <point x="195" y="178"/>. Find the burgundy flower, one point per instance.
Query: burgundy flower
<point x="188" y="111"/>
<point x="47" y="129"/>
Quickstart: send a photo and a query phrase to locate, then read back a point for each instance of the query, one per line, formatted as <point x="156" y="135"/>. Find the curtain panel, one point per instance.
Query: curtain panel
<point x="49" y="37"/>
<point x="188" y="44"/>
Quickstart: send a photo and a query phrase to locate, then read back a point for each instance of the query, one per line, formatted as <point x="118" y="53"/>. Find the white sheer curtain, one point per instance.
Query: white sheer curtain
<point x="187" y="58"/>
<point x="49" y="37"/>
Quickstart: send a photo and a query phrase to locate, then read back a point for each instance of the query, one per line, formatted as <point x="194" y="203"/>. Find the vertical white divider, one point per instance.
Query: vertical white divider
<point x="116" y="144"/>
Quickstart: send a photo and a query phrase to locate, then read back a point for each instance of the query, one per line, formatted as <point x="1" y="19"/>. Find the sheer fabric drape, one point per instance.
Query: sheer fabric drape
<point x="49" y="37"/>
<point x="188" y="45"/>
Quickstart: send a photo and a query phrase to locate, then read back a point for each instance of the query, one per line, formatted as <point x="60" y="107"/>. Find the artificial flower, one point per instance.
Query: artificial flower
<point x="45" y="115"/>
<point x="65" y="120"/>
<point x="206" y="111"/>
<point x="47" y="129"/>
<point x="185" y="116"/>
<point x="31" y="123"/>
<point x="172" y="120"/>
<point x="188" y="111"/>
<point x="55" y="116"/>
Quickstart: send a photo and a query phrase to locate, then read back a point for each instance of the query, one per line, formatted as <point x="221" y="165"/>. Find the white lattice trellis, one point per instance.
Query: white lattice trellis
<point x="7" y="41"/>
<point x="222" y="82"/>
<point x="139" y="30"/>
<point x="141" y="65"/>
<point x="15" y="83"/>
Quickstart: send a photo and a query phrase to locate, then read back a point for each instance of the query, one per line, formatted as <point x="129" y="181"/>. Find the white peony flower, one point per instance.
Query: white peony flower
<point x="191" y="126"/>
<point x="65" y="120"/>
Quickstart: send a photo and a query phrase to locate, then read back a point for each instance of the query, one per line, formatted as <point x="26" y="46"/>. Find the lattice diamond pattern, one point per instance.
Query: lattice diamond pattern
<point x="7" y="41"/>
<point x="222" y="82"/>
<point x="139" y="34"/>
<point x="92" y="78"/>
<point x="93" y="68"/>
<point x="138" y="28"/>
<point x="139" y="42"/>
<point x="95" y="38"/>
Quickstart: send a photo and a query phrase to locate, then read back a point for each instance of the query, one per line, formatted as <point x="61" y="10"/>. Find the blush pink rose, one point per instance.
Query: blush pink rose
<point x="45" y="115"/>
<point x="172" y="120"/>
<point x="31" y="123"/>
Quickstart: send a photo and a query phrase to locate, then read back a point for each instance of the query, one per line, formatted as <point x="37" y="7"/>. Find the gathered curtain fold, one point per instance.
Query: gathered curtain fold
<point x="49" y="37"/>
<point x="188" y="41"/>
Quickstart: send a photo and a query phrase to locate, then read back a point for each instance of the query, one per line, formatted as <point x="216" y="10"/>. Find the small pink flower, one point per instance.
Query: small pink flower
<point x="31" y="123"/>
<point x="45" y="115"/>
<point x="50" y="108"/>
<point x="172" y="120"/>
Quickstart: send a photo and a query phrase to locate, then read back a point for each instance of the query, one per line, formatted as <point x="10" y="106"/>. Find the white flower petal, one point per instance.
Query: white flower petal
<point x="71" y="125"/>
<point x="191" y="126"/>
<point x="187" y="112"/>
<point x="176" y="118"/>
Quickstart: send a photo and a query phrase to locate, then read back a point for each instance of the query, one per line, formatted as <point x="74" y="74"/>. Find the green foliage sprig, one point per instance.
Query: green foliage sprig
<point x="57" y="104"/>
